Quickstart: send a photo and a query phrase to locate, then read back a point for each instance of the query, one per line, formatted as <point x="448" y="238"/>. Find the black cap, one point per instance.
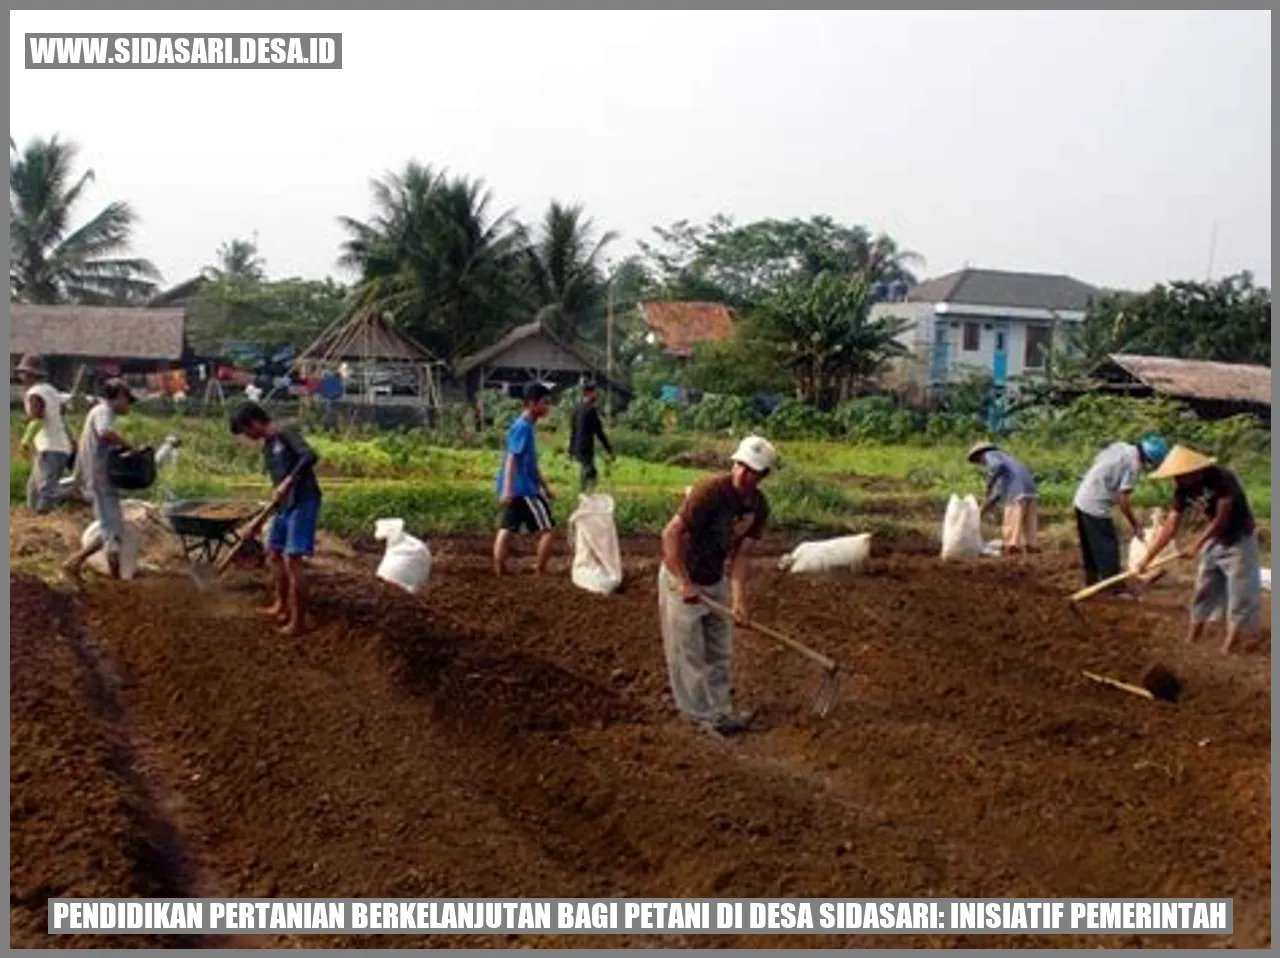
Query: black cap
<point x="535" y="391"/>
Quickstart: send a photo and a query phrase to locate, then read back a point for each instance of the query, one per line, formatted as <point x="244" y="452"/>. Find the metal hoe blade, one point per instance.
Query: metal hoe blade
<point x="828" y="692"/>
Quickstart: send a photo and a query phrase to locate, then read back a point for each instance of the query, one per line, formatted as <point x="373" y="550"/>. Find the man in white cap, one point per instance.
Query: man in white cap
<point x="1010" y="483"/>
<point x="703" y="544"/>
<point x="46" y="436"/>
<point x="1229" y="576"/>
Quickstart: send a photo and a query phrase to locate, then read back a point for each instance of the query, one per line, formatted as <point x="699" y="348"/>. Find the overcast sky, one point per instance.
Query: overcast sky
<point x="1103" y="145"/>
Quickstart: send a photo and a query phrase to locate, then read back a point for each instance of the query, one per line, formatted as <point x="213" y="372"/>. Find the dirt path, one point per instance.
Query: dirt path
<point x="517" y="739"/>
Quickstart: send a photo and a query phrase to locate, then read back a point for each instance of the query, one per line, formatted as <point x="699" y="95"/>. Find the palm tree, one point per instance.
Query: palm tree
<point x="51" y="262"/>
<point x="566" y="279"/>
<point x="239" y="259"/>
<point x="435" y="258"/>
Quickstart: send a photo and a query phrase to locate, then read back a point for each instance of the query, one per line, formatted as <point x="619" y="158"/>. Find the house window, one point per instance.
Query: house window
<point x="972" y="336"/>
<point x="1038" y="340"/>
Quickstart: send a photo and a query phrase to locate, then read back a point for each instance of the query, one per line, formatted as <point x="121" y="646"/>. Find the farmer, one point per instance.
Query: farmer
<point x="587" y="427"/>
<point x="290" y="462"/>
<point x="96" y="440"/>
<point x="1229" y="575"/>
<point x="46" y="436"/>
<point x="1011" y="483"/>
<point x="705" y="541"/>
<point x="523" y="493"/>
<point x="1109" y="483"/>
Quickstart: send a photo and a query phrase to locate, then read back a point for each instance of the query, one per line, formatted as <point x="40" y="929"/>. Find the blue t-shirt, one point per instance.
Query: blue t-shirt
<point x="1007" y="477"/>
<point x="1114" y="471"/>
<point x="520" y="446"/>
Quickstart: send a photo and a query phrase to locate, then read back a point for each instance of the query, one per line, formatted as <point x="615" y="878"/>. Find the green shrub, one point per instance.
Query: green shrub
<point x="794" y="419"/>
<point x="721" y="414"/>
<point x="646" y="414"/>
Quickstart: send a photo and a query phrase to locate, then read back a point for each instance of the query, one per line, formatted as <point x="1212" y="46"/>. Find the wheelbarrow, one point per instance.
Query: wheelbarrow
<point x="208" y="528"/>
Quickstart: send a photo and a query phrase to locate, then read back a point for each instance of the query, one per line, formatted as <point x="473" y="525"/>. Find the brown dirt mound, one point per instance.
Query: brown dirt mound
<point x="516" y="738"/>
<point x="80" y="824"/>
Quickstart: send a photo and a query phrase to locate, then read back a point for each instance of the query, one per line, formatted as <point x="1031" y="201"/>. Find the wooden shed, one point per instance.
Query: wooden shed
<point x="1212" y="390"/>
<point x="531" y="353"/>
<point x="103" y="340"/>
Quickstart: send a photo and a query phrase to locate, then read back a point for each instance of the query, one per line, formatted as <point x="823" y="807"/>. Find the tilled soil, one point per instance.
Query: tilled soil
<point x="516" y="738"/>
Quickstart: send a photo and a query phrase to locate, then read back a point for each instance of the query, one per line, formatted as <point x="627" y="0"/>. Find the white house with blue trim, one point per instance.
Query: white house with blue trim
<point x="984" y="321"/>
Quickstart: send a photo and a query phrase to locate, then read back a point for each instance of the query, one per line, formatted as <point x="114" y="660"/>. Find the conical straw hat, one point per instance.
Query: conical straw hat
<point x="1180" y="462"/>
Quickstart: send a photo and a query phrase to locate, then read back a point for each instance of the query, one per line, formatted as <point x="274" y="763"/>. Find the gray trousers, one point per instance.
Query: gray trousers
<point x="42" y="485"/>
<point x="1229" y="579"/>
<point x="699" y="647"/>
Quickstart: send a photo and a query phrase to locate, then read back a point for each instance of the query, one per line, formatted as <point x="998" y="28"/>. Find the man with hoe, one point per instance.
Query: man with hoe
<point x="1229" y="575"/>
<point x="524" y="494"/>
<point x="290" y="462"/>
<point x="703" y="543"/>
<point x="46" y="436"/>
<point x="1010" y="483"/>
<point x="1109" y="483"/>
<point x="587" y="427"/>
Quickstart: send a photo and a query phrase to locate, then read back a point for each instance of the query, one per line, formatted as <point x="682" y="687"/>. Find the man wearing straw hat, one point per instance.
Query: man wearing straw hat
<point x="1229" y="575"/>
<point x="1011" y="483"/>
<point x="46" y="435"/>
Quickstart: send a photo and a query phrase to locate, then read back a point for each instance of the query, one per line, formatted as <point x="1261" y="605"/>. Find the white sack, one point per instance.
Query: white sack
<point x="845" y="553"/>
<point x="993" y="547"/>
<point x="597" y="557"/>
<point x="407" y="561"/>
<point x="962" y="528"/>
<point x="134" y="513"/>
<point x="1138" y="546"/>
<point x="1266" y="580"/>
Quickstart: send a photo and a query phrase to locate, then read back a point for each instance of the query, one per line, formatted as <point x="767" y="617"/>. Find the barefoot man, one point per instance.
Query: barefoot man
<point x="1229" y="576"/>
<point x="704" y="542"/>
<point x="290" y="462"/>
<point x="523" y="492"/>
<point x="96" y="440"/>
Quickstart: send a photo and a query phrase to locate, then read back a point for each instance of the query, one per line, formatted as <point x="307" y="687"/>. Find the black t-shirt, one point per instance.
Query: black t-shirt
<point x="282" y="452"/>
<point x="587" y="427"/>
<point x="1209" y="489"/>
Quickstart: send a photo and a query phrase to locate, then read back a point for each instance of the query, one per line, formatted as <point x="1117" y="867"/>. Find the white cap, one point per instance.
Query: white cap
<point x="756" y="453"/>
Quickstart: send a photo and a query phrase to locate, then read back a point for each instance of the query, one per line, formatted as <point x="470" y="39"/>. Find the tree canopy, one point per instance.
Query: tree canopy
<point x="52" y="261"/>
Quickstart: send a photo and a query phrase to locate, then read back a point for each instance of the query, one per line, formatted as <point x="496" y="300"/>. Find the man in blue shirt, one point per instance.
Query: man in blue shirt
<point x="1011" y="483"/>
<point x="1109" y="484"/>
<point x="523" y="492"/>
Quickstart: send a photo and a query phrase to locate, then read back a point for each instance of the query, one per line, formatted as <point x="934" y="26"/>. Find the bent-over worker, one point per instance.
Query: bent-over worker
<point x="96" y="441"/>
<point x="705" y="541"/>
<point x="1109" y="483"/>
<point x="290" y="462"/>
<point x="1229" y="574"/>
<point x="1010" y="483"/>
<point x="46" y="437"/>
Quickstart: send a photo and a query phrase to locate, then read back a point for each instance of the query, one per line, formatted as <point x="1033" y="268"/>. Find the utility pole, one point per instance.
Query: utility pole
<point x="1213" y="245"/>
<point x="608" y="387"/>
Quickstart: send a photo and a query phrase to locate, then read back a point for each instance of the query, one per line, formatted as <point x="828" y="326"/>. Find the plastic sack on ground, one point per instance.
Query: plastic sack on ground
<point x="962" y="528"/>
<point x="1138" y="546"/>
<point x="845" y="554"/>
<point x="134" y="512"/>
<point x="597" y="557"/>
<point x="1266" y="580"/>
<point x="993" y="547"/>
<point x="407" y="561"/>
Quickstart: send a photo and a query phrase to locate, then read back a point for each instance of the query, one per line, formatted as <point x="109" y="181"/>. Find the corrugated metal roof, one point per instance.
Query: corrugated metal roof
<point x="681" y="326"/>
<point x="101" y="332"/>
<point x="992" y="287"/>
<point x="1195" y="379"/>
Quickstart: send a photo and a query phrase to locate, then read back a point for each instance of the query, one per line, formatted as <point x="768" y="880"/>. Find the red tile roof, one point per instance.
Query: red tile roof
<point x="681" y="326"/>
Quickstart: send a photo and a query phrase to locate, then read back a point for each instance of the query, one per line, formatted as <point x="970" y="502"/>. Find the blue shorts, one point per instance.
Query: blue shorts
<point x="293" y="531"/>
